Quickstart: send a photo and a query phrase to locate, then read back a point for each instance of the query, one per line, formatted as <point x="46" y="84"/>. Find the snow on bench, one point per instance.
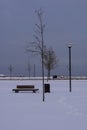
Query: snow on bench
<point x="25" y="88"/>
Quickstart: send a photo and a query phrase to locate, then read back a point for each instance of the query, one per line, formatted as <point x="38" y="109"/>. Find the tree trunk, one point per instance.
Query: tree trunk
<point x="48" y="74"/>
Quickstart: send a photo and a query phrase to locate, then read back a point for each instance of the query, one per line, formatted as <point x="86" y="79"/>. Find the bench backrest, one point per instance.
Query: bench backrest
<point x="25" y="86"/>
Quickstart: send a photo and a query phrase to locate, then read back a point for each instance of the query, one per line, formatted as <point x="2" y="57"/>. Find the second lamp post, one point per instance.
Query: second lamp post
<point x="70" y="46"/>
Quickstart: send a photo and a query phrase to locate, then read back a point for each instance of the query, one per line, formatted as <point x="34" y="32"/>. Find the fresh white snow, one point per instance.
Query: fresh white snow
<point x="61" y="110"/>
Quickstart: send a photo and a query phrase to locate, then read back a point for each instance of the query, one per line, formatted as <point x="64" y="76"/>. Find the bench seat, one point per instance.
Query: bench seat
<point x="25" y="88"/>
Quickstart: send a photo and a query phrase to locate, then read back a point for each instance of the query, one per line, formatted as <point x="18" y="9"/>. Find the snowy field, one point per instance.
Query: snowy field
<point x="60" y="111"/>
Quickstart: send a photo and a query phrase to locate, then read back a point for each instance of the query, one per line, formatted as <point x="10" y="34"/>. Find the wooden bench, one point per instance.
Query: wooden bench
<point x="25" y="88"/>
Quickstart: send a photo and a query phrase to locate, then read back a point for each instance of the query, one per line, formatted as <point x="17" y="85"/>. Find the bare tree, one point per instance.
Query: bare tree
<point x="28" y="69"/>
<point x="37" y="46"/>
<point x="50" y="60"/>
<point x="10" y="70"/>
<point x="34" y="70"/>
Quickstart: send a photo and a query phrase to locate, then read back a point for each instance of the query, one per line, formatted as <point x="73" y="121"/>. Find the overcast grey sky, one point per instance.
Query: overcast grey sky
<point x="65" y="20"/>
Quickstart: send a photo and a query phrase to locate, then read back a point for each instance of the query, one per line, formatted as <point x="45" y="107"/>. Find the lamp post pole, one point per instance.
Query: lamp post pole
<point x="69" y="46"/>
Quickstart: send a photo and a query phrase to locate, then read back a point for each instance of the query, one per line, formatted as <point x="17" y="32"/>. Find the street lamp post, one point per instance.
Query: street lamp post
<point x="69" y="46"/>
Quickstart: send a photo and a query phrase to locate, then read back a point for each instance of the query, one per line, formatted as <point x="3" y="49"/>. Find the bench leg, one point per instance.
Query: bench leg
<point x="16" y="91"/>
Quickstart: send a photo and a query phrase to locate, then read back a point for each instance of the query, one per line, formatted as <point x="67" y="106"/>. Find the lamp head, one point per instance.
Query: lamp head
<point x="69" y="45"/>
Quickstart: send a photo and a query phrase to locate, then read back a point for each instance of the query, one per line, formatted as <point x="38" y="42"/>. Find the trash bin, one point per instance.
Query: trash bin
<point x="47" y="88"/>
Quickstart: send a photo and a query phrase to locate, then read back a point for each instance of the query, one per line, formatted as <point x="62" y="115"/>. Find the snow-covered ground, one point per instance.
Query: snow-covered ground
<point x="61" y="110"/>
